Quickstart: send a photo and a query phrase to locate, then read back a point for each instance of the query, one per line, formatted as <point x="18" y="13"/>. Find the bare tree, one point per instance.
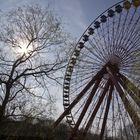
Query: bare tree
<point x="32" y="54"/>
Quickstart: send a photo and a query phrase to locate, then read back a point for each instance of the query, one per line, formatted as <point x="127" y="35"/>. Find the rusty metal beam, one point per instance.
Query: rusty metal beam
<point x="96" y="108"/>
<point x="127" y="81"/>
<point x="132" y="113"/>
<point x="80" y="95"/>
<point x="129" y="87"/>
<point x="106" y="111"/>
<point x="88" y="102"/>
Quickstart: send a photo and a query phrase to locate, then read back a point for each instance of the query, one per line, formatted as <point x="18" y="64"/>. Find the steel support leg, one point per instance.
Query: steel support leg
<point x="106" y="112"/>
<point x="88" y="102"/>
<point x="132" y="113"/>
<point x="91" y="119"/>
<point x="80" y="95"/>
<point x="131" y="89"/>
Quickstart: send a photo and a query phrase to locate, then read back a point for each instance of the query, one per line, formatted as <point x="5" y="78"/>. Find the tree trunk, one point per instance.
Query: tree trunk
<point x="5" y="101"/>
<point x="1" y="113"/>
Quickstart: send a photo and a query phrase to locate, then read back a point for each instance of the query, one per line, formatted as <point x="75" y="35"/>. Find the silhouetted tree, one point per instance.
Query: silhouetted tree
<point x="32" y="54"/>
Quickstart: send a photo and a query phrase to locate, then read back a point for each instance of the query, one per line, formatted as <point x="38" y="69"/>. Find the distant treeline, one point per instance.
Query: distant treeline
<point x="40" y="130"/>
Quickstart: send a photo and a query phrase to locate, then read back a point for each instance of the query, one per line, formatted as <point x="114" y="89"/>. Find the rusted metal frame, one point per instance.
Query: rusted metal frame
<point x="132" y="113"/>
<point x="106" y="111"/>
<point x="80" y="95"/>
<point x="125" y="84"/>
<point x="128" y="83"/>
<point x="96" y="108"/>
<point x="88" y="102"/>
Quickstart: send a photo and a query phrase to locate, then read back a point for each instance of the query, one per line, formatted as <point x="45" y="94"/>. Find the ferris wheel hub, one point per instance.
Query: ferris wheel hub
<point x="115" y="60"/>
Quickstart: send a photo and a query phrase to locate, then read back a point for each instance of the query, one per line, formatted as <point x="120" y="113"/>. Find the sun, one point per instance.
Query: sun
<point x="24" y="48"/>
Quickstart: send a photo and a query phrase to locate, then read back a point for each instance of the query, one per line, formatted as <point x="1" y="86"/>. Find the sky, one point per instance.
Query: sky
<point x="76" y="15"/>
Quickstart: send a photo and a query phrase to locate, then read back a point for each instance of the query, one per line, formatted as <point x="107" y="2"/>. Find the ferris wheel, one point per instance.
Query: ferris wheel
<point x="101" y="86"/>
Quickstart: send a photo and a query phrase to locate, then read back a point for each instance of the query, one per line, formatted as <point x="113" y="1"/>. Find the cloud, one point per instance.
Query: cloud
<point x="72" y="14"/>
<point x="10" y="4"/>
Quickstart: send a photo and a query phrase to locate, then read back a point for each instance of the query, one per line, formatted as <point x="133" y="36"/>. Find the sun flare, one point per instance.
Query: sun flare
<point x="24" y="48"/>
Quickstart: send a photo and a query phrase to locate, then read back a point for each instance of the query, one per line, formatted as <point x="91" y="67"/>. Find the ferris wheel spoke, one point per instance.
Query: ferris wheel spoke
<point x="108" y="36"/>
<point x="106" y="112"/>
<point x="131" y="52"/>
<point x="86" y="107"/>
<point x="93" y="53"/>
<point x="73" y="91"/>
<point x="122" y="29"/>
<point x="97" y="48"/>
<point x="133" y="63"/>
<point x="118" y="27"/>
<point x="81" y="65"/>
<point x="133" y="38"/>
<point x="102" y="45"/>
<point x="80" y="82"/>
<point x="86" y="70"/>
<point x="86" y="61"/>
<point x="105" y="44"/>
<point x="97" y="59"/>
<point x="82" y="74"/>
<point x="97" y="65"/>
<point x="129" y="34"/>
<point x="112" y="33"/>
<point x="98" y="53"/>
<point x="126" y="26"/>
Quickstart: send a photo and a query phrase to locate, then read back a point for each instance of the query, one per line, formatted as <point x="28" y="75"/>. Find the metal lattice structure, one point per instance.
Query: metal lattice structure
<point x="101" y="86"/>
